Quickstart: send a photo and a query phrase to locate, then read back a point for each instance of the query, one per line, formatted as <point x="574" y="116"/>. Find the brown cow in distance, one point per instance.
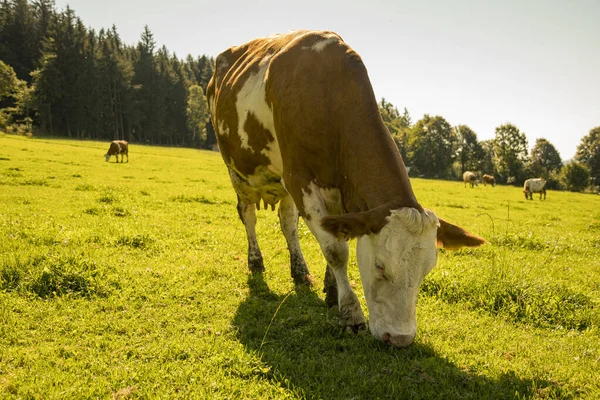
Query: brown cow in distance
<point x="298" y="124"/>
<point x="117" y="147"/>
<point x="488" y="179"/>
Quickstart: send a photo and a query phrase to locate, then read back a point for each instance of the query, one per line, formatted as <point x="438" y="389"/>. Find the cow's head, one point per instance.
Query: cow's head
<point x="393" y="262"/>
<point x="107" y="156"/>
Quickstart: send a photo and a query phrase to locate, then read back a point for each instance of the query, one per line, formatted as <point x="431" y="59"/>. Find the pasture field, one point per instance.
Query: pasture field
<point x="130" y="281"/>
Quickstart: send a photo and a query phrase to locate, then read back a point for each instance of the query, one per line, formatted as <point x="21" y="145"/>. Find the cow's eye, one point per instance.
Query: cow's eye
<point x="381" y="269"/>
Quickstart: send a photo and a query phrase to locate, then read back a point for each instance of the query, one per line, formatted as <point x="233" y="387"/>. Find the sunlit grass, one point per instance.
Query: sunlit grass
<point x="130" y="280"/>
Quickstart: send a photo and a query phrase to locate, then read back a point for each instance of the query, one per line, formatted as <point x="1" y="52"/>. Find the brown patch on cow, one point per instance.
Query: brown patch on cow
<point x="340" y="141"/>
<point x="224" y="87"/>
<point x="260" y="137"/>
<point x="452" y="237"/>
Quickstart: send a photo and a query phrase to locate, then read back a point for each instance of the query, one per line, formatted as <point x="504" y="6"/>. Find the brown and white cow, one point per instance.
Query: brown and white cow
<point x="298" y="124"/>
<point x="470" y="178"/>
<point x="117" y="147"/>
<point x="534" y="185"/>
<point x="488" y="179"/>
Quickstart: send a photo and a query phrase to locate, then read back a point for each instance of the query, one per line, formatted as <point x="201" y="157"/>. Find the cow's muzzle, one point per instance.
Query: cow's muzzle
<point x="399" y="341"/>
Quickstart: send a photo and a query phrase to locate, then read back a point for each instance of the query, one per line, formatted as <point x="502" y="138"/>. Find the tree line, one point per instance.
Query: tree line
<point x="433" y="148"/>
<point x="60" y="78"/>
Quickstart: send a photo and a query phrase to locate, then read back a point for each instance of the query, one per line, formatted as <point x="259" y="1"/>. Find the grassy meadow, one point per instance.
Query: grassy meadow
<point x="131" y="281"/>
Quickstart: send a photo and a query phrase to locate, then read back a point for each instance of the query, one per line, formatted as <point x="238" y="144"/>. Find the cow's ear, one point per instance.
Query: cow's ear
<point x="453" y="237"/>
<point x="353" y="225"/>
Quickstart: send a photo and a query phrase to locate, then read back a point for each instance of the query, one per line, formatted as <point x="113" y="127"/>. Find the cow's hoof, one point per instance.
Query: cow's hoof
<point x="352" y="317"/>
<point x="256" y="265"/>
<point x="305" y="280"/>
<point x="356" y="329"/>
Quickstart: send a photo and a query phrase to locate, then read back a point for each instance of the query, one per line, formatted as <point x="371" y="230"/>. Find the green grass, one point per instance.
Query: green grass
<point x="130" y="281"/>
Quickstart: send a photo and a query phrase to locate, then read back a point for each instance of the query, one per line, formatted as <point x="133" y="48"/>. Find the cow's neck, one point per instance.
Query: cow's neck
<point x="375" y="174"/>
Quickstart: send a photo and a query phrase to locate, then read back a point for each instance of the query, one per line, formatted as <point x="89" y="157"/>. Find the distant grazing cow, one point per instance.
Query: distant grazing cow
<point x="470" y="178"/>
<point x="488" y="179"/>
<point x="534" y="185"/>
<point x="298" y="124"/>
<point x="117" y="147"/>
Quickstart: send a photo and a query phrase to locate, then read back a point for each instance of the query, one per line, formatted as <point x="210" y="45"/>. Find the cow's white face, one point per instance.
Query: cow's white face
<point x="392" y="266"/>
<point x="107" y="157"/>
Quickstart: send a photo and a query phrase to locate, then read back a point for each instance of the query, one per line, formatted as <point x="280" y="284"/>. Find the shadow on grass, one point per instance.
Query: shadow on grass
<point x="305" y="351"/>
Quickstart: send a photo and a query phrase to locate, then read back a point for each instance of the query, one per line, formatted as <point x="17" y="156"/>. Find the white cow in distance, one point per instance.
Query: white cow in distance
<point x="470" y="178"/>
<point x="534" y="185"/>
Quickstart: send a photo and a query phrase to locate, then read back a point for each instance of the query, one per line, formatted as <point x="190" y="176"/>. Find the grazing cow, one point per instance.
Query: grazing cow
<point x="117" y="147"/>
<point x="470" y="178"/>
<point x="298" y="124"/>
<point x="488" y="179"/>
<point x="534" y="185"/>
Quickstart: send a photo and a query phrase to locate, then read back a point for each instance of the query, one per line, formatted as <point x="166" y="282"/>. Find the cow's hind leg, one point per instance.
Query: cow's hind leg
<point x="246" y="208"/>
<point x="247" y="213"/>
<point x="288" y="219"/>
<point x="330" y="288"/>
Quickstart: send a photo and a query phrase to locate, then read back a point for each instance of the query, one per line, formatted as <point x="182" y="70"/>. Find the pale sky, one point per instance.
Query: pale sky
<point x="534" y="63"/>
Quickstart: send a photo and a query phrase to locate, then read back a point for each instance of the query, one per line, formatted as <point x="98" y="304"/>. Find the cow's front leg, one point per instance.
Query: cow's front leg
<point x="336" y="254"/>
<point x="247" y="213"/>
<point x="288" y="219"/>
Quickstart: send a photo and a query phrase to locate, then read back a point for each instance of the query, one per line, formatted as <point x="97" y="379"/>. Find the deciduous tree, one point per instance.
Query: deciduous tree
<point x="197" y="114"/>
<point x="8" y="80"/>
<point x="510" y="153"/>
<point x="469" y="152"/>
<point x="397" y="124"/>
<point x="588" y="153"/>
<point x="544" y="159"/>
<point x="431" y="147"/>
<point x="575" y="176"/>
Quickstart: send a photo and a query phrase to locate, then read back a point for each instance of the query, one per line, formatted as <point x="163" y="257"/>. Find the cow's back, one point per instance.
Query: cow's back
<point x="123" y="146"/>
<point x="300" y="106"/>
<point x="242" y="119"/>
<point x="534" y="185"/>
<point x="260" y="89"/>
